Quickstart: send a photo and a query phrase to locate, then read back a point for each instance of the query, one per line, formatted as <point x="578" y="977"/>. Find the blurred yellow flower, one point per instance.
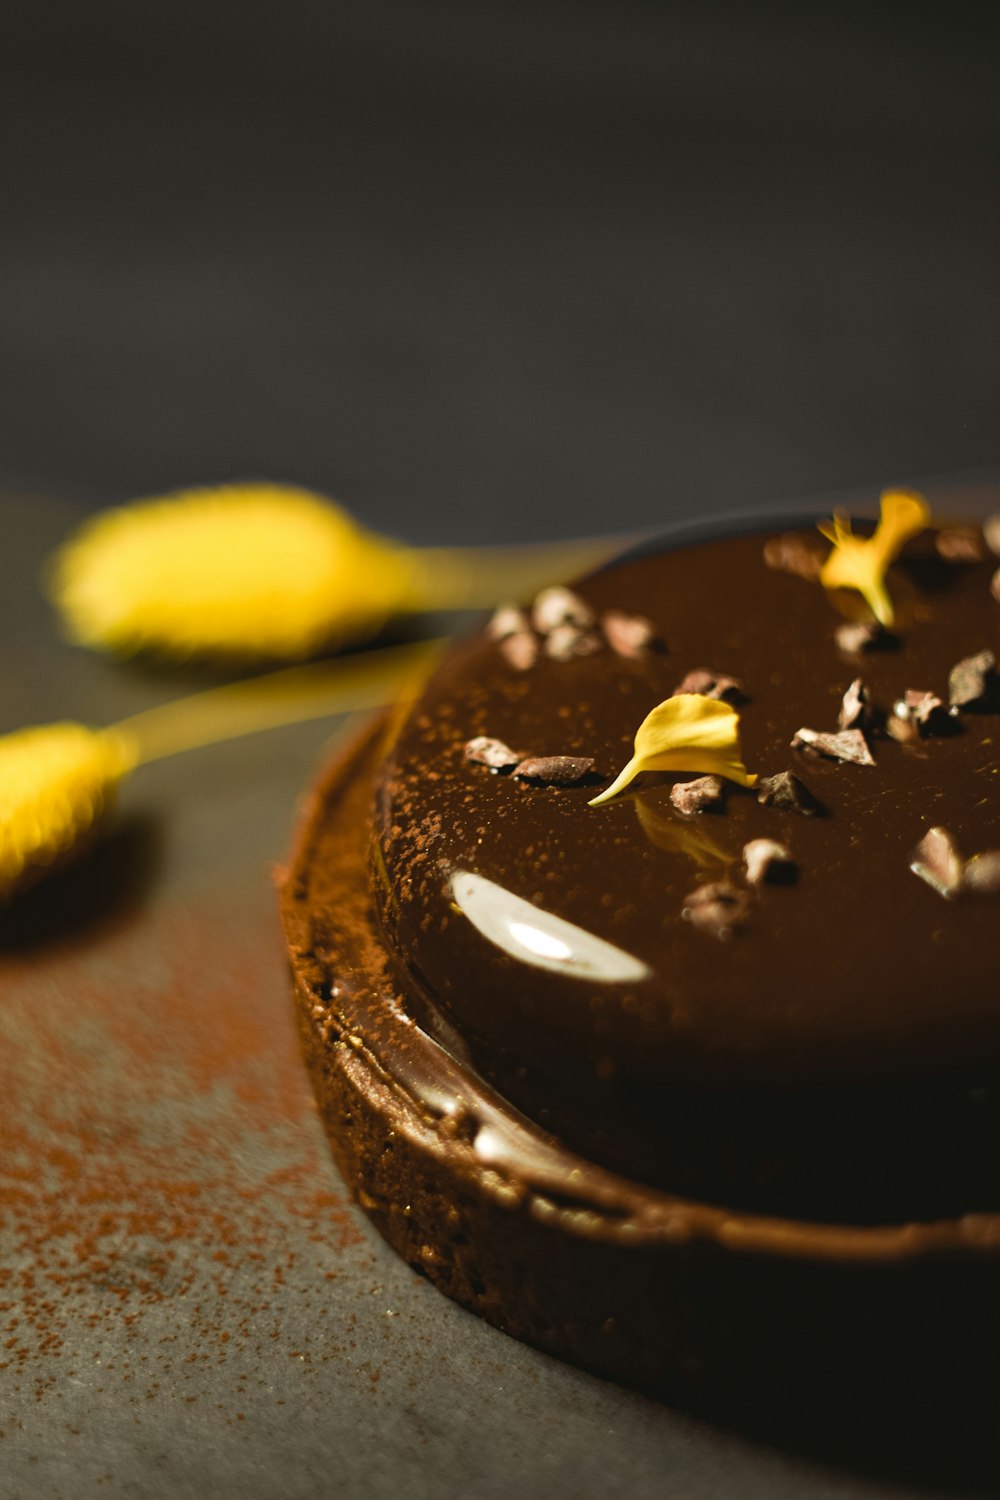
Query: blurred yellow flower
<point x="242" y="570"/>
<point x="687" y="732"/>
<point x="859" y="562"/>
<point x="56" y="781"/>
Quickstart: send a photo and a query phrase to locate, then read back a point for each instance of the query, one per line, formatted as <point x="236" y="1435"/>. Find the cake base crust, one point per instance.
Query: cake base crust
<point x="746" y="1317"/>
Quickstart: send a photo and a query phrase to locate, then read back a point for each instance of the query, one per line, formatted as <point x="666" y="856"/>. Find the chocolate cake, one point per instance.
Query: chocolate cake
<point x="698" y="1086"/>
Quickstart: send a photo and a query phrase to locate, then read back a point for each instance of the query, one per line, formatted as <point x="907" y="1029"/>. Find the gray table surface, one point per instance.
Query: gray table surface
<point x="189" y="1303"/>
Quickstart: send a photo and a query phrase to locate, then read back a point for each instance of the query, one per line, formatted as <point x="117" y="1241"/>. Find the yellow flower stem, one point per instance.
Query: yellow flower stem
<point x="448" y="578"/>
<point x="291" y="696"/>
<point x="479" y="577"/>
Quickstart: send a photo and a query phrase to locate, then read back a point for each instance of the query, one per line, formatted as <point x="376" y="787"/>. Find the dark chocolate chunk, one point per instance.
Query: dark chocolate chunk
<point x="708" y="684"/>
<point x="920" y="703"/>
<point x="849" y="745"/>
<point x="856" y="709"/>
<point x="786" y="791"/>
<point x="507" y="620"/>
<point x="718" y="908"/>
<point x="901" y="727"/>
<point x="793" y="553"/>
<point x="961" y="544"/>
<point x="982" y="873"/>
<point x="560" y="606"/>
<point x="698" y="796"/>
<point x="630" y="636"/>
<point x="767" y="860"/>
<point x="520" y="651"/>
<point x="564" y="642"/>
<point x="555" y="770"/>
<point x="936" y="859"/>
<point x="854" y="637"/>
<point x="923" y="711"/>
<point x="972" y="682"/>
<point x="484" y="751"/>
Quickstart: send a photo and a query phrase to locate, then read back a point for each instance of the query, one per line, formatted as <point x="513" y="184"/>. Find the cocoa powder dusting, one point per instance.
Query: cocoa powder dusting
<point x="156" y="1146"/>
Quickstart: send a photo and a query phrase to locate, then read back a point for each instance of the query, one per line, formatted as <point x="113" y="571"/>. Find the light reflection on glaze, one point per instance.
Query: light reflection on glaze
<point x="539" y="938"/>
<point x="668" y="831"/>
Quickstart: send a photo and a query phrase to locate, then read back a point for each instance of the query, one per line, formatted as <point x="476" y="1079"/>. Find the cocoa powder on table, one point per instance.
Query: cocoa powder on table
<point x="157" y="1152"/>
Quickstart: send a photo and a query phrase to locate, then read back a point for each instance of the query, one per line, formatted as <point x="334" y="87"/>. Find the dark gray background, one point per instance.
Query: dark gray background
<point x="485" y="270"/>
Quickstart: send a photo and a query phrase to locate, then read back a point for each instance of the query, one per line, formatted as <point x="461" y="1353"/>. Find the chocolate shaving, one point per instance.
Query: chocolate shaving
<point x="856" y="710"/>
<point x="483" y="751"/>
<point x="711" y="685"/>
<point x="936" y="859"/>
<point x="567" y="641"/>
<point x="698" y="796"/>
<point x="995" y="585"/>
<point x="765" y="859"/>
<point x="920" y="704"/>
<point x="520" y="651"/>
<point x="630" y="636"/>
<point x="920" y="713"/>
<point x="555" y="770"/>
<point x="793" y="553"/>
<point x="849" y="745"/>
<point x="719" y="908"/>
<point x="982" y="873"/>
<point x="961" y="544"/>
<point x="855" y="637"/>
<point x="972" y="682"/>
<point x="507" y="620"/>
<point x="786" y="791"/>
<point x="560" y="606"/>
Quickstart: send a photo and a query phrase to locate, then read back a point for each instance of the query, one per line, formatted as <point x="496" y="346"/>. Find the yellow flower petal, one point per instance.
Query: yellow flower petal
<point x="56" y="781"/>
<point x="685" y="733"/>
<point x="252" y="571"/>
<point x="680" y="836"/>
<point x="861" y="563"/>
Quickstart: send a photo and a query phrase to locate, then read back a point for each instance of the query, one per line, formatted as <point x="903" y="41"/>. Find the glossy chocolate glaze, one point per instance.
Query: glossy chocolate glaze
<point x="803" y="1328"/>
<point x="852" y="1030"/>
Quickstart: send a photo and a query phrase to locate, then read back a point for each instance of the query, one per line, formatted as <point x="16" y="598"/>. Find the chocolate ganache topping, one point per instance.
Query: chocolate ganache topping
<point x="810" y="1027"/>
